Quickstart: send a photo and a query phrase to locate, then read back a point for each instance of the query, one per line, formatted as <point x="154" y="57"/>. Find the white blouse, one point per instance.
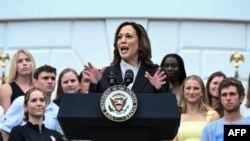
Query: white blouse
<point x="125" y="66"/>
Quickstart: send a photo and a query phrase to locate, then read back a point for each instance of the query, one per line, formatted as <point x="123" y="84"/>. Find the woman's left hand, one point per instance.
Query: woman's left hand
<point x="158" y="79"/>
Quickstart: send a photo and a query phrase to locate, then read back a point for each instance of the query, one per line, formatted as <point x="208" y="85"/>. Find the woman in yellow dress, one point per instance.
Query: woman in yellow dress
<point x="195" y="112"/>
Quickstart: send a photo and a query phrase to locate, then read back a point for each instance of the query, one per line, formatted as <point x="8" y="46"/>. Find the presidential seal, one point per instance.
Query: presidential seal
<point x="118" y="103"/>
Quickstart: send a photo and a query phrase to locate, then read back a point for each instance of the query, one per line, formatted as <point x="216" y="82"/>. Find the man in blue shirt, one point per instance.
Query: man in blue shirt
<point x="232" y="94"/>
<point x="44" y="79"/>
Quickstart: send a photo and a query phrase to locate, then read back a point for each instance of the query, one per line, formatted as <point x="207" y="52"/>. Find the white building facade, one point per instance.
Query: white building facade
<point x="70" y="33"/>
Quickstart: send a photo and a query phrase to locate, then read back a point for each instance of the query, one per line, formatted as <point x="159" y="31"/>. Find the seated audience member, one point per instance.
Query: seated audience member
<point x="212" y="91"/>
<point x="44" y="79"/>
<point x="195" y="112"/>
<point x="231" y="93"/>
<point x="22" y="68"/>
<point x="84" y="83"/>
<point x="67" y="83"/>
<point x="245" y="106"/>
<point x="132" y="50"/>
<point x="35" y="103"/>
<point x="174" y="65"/>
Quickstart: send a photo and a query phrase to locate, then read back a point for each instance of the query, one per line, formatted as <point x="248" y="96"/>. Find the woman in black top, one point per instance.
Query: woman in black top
<point x="175" y="68"/>
<point x="34" y="130"/>
<point x="20" y="77"/>
<point x="132" y="50"/>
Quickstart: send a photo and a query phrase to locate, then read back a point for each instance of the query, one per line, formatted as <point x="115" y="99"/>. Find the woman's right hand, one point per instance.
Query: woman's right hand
<point x="92" y="73"/>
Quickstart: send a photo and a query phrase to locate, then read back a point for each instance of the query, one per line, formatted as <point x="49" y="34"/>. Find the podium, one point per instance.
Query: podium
<point x="157" y="118"/>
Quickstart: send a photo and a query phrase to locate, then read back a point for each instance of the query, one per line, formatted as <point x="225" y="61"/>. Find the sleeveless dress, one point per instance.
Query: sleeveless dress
<point x="16" y="91"/>
<point x="192" y="130"/>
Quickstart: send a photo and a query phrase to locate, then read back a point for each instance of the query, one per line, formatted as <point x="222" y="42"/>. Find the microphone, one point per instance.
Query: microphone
<point x="112" y="77"/>
<point x="129" y="77"/>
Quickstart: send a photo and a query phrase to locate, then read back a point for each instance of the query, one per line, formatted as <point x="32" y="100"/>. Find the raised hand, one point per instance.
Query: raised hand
<point x="93" y="74"/>
<point x="158" y="79"/>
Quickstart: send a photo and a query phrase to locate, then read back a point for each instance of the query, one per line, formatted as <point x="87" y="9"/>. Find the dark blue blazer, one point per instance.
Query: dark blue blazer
<point x="141" y="83"/>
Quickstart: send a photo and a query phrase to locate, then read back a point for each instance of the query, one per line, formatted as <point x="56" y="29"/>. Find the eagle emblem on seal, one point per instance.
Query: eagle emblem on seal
<point x="118" y="102"/>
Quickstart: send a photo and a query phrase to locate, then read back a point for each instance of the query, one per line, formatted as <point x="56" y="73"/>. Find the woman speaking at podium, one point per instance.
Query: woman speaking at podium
<point x="132" y="51"/>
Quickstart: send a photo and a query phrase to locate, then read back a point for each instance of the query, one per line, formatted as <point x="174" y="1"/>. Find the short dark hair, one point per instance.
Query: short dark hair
<point x="231" y="81"/>
<point x="44" y="68"/>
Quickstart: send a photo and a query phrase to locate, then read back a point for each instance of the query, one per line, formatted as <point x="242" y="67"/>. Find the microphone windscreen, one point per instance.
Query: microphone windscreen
<point x="129" y="77"/>
<point x="112" y="77"/>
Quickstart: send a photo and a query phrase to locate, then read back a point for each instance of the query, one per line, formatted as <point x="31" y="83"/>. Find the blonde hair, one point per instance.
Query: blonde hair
<point x="203" y="103"/>
<point x="13" y="67"/>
